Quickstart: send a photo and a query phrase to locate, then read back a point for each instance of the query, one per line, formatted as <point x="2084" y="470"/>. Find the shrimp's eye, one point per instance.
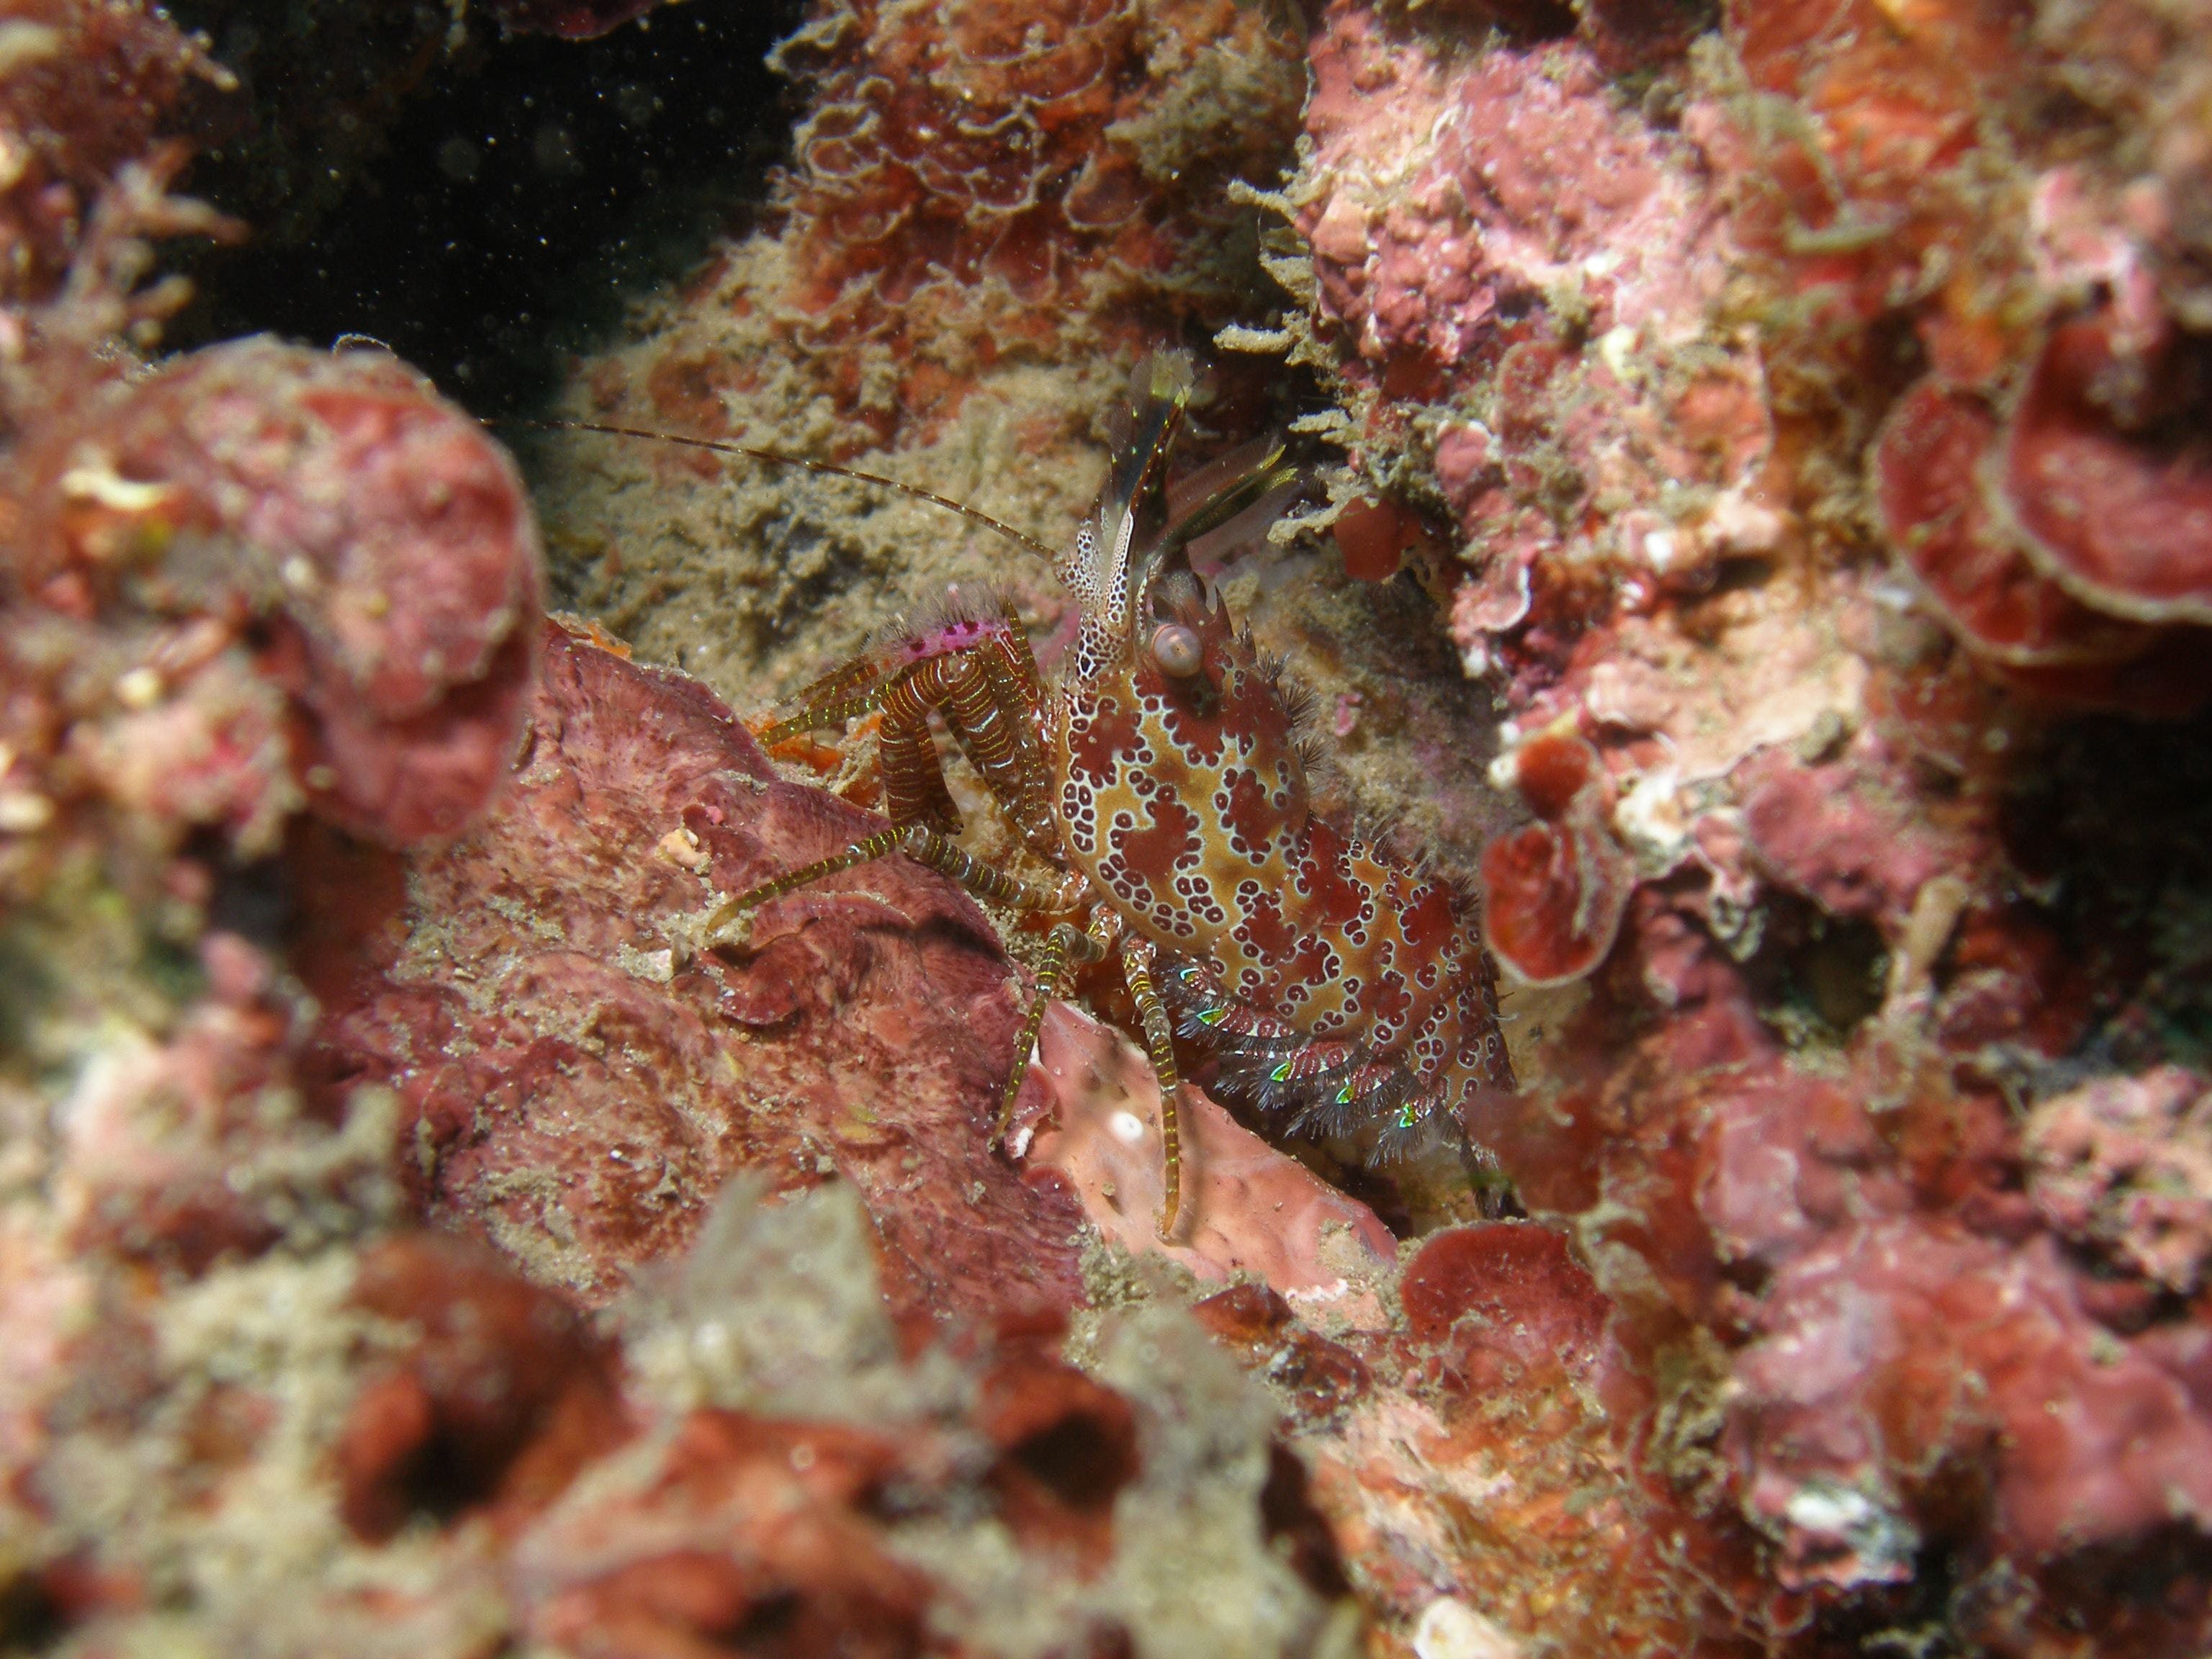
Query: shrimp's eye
<point x="1177" y="650"/>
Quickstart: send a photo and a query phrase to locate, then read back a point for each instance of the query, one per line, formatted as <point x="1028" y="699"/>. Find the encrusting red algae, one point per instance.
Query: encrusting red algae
<point x="417" y="1234"/>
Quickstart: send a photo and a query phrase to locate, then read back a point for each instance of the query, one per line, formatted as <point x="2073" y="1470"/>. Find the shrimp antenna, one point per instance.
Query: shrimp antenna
<point x="776" y="457"/>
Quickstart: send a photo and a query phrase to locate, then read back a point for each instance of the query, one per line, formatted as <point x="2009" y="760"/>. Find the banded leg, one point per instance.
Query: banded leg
<point x="913" y="778"/>
<point x="948" y="857"/>
<point x="919" y="842"/>
<point x="1264" y="1061"/>
<point x="1137" y="972"/>
<point x="814" y="716"/>
<point x="1065" y="943"/>
<point x="990" y="713"/>
<point x="1015" y="683"/>
<point x="846" y="692"/>
<point x="983" y="676"/>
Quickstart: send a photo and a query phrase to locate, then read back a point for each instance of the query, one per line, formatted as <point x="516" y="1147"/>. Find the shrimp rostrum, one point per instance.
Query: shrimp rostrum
<point x="1159" y="777"/>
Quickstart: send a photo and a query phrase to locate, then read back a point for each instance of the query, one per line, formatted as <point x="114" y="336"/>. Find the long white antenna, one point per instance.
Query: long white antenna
<point x="777" y="457"/>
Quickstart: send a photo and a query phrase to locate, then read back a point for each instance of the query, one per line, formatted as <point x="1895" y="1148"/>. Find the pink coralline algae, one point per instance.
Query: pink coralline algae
<point x="269" y="685"/>
<point x="1893" y="1350"/>
<point x="2122" y="1168"/>
<point x="868" y="1507"/>
<point x="1499" y="221"/>
<point x="1479" y="1461"/>
<point x="1553" y="893"/>
<point x="625" y="1067"/>
<point x="330" y="521"/>
<point x="1822" y="428"/>
<point x="1844" y="836"/>
<point x="1520" y="180"/>
<point x="2074" y="508"/>
<point x="164" y="1156"/>
<point x="216" y="614"/>
<point x="90" y="90"/>
<point x="1904" y="1353"/>
<point x="1909" y="1364"/>
<point x="2111" y="477"/>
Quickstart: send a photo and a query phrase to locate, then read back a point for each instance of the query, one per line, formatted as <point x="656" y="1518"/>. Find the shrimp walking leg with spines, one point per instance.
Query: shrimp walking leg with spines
<point x="1159" y="777"/>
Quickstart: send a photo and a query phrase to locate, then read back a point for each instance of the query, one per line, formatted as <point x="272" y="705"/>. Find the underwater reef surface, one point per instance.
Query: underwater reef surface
<point x="1759" y="539"/>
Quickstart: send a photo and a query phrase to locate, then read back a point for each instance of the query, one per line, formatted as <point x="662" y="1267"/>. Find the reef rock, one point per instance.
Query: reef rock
<point x="583" y="1071"/>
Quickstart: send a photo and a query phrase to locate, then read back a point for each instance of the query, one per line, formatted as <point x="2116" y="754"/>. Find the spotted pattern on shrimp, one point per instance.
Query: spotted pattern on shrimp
<point x="1286" y="913"/>
<point x="1158" y="777"/>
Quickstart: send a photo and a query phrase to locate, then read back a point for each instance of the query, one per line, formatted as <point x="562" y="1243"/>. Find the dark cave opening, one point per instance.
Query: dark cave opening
<point x="482" y="204"/>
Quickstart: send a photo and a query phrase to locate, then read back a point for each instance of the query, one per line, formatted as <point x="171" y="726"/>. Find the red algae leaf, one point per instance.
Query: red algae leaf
<point x="741" y="1533"/>
<point x="2122" y="518"/>
<point x="1551" y="770"/>
<point x="1554" y="893"/>
<point x="1927" y="474"/>
<point x="1506" y="1285"/>
<point x="502" y="1397"/>
<point x="1541" y="917"/>
<point x="1372" y="535"/>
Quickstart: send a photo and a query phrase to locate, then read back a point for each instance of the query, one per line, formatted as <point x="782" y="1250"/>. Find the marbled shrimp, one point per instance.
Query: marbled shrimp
<point x="1159" y="776"/>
